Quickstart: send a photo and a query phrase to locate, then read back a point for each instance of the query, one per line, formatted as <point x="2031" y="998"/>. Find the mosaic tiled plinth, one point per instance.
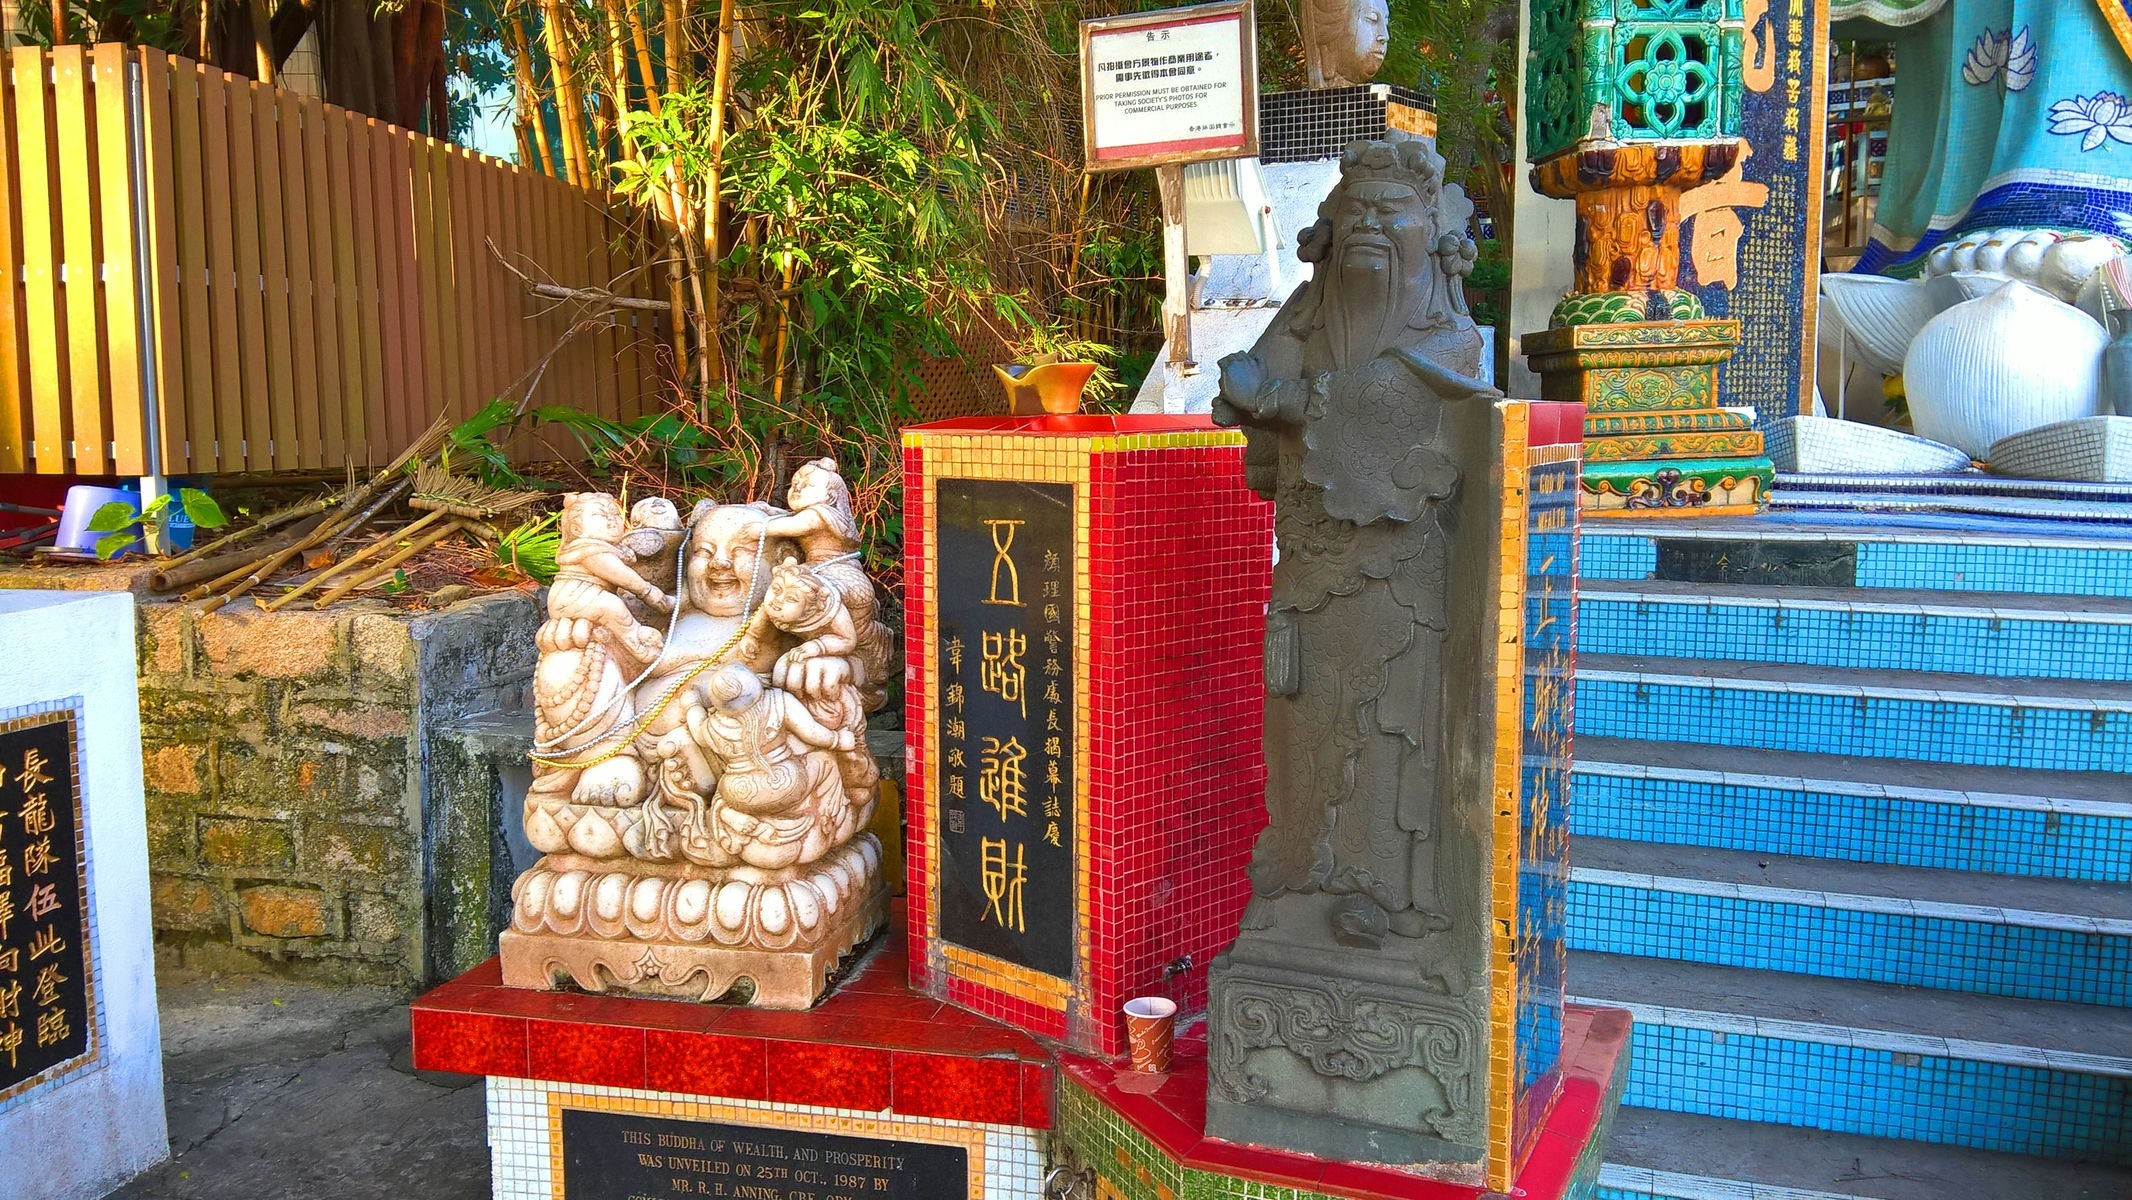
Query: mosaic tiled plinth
<point x="1142" y="1137"/>
<point x="1655" y="440"/>
<point x="877" y="1091"/>
<point x="1084" y="704"/>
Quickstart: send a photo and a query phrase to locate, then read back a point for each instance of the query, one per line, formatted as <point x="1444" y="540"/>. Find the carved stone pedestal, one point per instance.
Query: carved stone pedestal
<point x="676" y="929"/>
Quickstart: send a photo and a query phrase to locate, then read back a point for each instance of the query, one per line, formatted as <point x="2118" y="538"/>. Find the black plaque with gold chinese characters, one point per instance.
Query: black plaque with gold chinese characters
<point x="47" y="1000"/>
<point x="609" y="1155"/>
<point x="1004" y="597"/>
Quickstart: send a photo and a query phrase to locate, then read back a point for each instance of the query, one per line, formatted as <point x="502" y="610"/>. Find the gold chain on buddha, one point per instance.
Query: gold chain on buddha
<point x="638" y="724"/>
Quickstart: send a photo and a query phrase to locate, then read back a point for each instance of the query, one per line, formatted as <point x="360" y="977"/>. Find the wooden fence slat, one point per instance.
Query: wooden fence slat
<point x="75" y="160"/>
<point x="430" y="272"/>
<point x="274" y="278"/>
<point x="368" y="327"/>
<point x="296" y="218"/>
<point x="165" y="343"/>
<point x="461" y="307"/>
<point x="510" y="303"/>
<point x="15" y="436"/>
<point x="252" y="328"/>
<point x="490" y="177"/>
<point x="124" y="363"/>
<point x="224" y="285"/>
<point x="44" y="312"/>
<point x="397" y="282"/>
<point x="310" y="118"/>
<point x="346" y="318"/>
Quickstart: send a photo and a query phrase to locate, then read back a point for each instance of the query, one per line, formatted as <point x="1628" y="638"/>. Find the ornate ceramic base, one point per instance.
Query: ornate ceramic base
<point x="1655" y="441"/>
<point x="660" y="929"/>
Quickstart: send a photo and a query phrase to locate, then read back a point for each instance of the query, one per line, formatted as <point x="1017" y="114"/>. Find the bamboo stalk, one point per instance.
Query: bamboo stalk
<point x="642" y="43"/>
<point x="675" y="51"/>
<point x="529" y="121"/>
<point x="366" y="554"/>
<point x="389" y="565"/>
<point x="721" y="85"/>
<point x="170" y="579"/>
<point x="270" y="521"/>
<point x="569" y="103"/>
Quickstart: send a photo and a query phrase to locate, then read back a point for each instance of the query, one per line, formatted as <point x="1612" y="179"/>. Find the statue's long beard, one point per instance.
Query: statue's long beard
<point x="1361" y="322"/>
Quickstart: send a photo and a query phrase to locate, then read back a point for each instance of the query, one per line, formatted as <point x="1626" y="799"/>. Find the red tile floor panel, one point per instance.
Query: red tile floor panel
<point x="1171" y="1111"/>
<point x="872" y="1044"/>
<point x="829" y="1075"/>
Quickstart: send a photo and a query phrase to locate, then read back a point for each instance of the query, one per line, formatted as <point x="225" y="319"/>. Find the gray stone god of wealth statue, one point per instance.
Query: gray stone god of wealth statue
<point x="1340" y="1024"/>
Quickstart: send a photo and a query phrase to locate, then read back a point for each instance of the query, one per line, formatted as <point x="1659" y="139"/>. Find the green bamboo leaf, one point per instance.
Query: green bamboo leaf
<point x="113" y="517"/>
<point x="112" y="543"/>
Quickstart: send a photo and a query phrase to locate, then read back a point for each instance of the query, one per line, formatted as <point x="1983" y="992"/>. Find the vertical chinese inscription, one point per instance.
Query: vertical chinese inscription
<point x="1004" y="720"/>
<point x="46" y="1004"/>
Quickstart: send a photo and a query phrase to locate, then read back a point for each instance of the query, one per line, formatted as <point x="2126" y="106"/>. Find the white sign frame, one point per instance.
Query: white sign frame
<point x="1104" y="147"/>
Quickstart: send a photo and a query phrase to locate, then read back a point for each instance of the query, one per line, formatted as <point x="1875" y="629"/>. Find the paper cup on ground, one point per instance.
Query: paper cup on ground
<point x="1147" y="1032"/>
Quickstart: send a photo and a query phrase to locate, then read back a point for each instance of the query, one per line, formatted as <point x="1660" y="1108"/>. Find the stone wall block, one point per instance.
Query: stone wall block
<point x="278" y="911"/>
<point x="375" y="920"/>
<point x="383" y="653"/>
<point x="183" y="903"/>
<point x="284" y="645"/>
<point x="368" y="852"/>
<point x="165" y="636"/>
<point x="246" y="842"/>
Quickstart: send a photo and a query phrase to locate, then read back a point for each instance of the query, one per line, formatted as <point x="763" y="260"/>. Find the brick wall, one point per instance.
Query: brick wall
<point x="285" y="757"/>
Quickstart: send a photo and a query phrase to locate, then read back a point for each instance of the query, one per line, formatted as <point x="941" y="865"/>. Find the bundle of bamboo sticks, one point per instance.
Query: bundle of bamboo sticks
<point x="229" y="567"/>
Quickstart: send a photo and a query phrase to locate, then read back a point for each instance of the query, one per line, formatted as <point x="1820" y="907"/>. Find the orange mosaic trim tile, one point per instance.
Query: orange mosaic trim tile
<point x="1509" y="744"/>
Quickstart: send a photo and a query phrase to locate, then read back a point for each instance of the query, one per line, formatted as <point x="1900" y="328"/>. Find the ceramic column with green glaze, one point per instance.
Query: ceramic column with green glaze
<point x="1629" y="103"/>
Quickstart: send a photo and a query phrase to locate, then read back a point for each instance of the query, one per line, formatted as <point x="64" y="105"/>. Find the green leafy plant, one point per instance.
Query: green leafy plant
<point x="531" y="548"/>
<point x="117" y="520"/>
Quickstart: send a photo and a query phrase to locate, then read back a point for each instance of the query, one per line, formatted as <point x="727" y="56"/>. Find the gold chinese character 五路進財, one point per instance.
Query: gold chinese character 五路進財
<point x="1003" y="568"/>
<point x="44" y="899"/>
<point x="1003" y="882"/>
<point x="1001" y="671"/>
<point x="1000" y="783"/>
<point x="48" y="981"/>
<point x="52" y="1027"/>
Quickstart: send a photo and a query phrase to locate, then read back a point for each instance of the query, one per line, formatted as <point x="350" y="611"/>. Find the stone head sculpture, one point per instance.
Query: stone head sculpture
<point x="1344" y="40"/>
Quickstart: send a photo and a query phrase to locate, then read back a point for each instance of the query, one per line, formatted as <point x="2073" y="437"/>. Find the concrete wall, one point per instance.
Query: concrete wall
<point x="287" y="758"/>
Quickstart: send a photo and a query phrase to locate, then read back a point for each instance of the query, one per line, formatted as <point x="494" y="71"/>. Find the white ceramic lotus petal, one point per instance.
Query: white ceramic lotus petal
<point x="692" y="902"/>
<point x="1830" y="446"/>
<point x="2012" y="361"/>
<point x="2069" y="264"/>
<point x="1880" y="316"/>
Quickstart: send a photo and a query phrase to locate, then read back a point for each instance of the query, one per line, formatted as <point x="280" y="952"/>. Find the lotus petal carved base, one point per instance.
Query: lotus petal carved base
<point x="676" y="929"/>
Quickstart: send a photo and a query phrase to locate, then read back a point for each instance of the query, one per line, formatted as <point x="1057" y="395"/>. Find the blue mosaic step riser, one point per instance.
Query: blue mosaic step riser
<point x="1956" y="565"/>
<point x="1884" y="947"/>
<point x="1815" y="823"/>
<point x="1915" y="727"/>
<point x="1969" y="645"/>
<point x="1881" y="1093"/>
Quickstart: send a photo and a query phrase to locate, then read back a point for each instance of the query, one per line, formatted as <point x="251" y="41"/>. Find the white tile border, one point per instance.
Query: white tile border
<point x="521" y="1156"/>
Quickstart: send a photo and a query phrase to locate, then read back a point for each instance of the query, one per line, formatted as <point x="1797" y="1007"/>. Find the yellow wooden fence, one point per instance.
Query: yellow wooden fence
<point x="206" y="274"/>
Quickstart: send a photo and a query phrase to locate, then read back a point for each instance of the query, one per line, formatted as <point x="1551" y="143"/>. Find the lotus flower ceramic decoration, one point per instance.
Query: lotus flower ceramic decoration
<point x="2012" y="361"/>
<point x="1053" y="388"/>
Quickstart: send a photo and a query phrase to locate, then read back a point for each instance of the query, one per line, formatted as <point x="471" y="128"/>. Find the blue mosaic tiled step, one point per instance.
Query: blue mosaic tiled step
<point x="1657" y="1155"/>
<point x="2044" y="939"/>
<point x="1870" y="1059"/>
<point x="1994" y="557"/>
<point x="1963" y="633"/>
<point x="2058" y="725"/>
<point x="2066" y="825"/>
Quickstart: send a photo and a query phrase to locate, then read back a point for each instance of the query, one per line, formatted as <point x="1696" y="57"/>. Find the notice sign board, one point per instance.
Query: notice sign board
<point x="1174" y="86"/>
<point x="612" y="1155"/>
<point x="1004" y="588"/>
<point x="47" y="998"/>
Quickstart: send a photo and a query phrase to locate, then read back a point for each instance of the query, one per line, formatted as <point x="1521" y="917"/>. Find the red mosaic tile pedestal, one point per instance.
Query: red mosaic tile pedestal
<point x="1142" y="1136"/>
<point x="1129" y="559"/>
<point x="873" y="1060"/>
